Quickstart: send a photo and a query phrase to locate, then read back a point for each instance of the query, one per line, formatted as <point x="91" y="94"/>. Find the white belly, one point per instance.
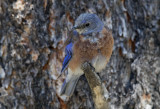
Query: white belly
<point x="99" y="63"/>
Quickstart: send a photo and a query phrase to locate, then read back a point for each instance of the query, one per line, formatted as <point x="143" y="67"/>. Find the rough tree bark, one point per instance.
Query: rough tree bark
<point x="32" y="36"/>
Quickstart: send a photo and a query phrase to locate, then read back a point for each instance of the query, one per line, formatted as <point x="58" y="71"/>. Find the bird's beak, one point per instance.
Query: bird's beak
<point x="73" y="29"/>
<point x="76" y="27"/>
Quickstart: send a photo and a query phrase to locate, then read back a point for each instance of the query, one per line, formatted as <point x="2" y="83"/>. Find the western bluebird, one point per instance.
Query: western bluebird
<point x="94" y="45"/>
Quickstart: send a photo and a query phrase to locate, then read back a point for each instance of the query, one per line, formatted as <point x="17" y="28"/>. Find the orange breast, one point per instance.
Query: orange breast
<point x="86" y="51"/>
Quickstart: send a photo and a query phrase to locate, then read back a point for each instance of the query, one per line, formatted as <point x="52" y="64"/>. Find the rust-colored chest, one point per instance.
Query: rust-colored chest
<point x="86" y="51"/>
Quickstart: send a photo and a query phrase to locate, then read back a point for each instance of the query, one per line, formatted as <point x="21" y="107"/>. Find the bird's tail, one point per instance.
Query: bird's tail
<point x="69" y="87"/>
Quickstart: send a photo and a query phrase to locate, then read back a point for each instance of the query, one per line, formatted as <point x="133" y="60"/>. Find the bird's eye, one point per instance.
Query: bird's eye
<point x="87" y="24"/>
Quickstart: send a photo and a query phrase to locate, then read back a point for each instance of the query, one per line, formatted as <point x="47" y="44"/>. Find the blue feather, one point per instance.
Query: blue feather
<point x="68" y="56"/>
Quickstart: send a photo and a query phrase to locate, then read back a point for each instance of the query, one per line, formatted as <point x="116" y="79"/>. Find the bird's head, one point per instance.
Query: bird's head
<point x="88" y="23"/>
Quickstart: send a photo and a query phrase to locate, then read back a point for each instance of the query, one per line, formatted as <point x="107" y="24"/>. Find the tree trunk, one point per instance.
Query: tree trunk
<point x="32" y="37"/>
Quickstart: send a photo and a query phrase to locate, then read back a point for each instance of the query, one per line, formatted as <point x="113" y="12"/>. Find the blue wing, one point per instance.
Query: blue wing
<point x="68" y="56"/>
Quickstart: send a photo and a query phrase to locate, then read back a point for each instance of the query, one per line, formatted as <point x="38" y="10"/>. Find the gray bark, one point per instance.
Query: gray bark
<point x="32" y="37"/>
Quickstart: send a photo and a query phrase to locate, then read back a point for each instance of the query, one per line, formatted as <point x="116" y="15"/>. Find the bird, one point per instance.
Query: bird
<point x="93" y="43"/>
